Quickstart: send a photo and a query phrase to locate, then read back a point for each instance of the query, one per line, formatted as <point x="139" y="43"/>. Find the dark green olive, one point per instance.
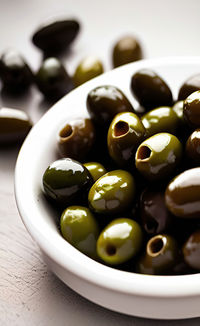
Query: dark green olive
<point x="193" y="146"/>
<point x="87" y="69"/>
<point x="96" y="170"/>
<point x="161" y="119"/>
<point x="157" y="156"/>
<point x="53" y="80"/>
<point x="125" y="133"/>
<point x="65" y="181"/>
<point x="182" y="195"/>
<point x="191" y="109"/>
<point x="155" y="216"/>
<point x="190" y="86"/>
<point x="14" y="125"/>
<point x="15" y="73"/>
<point x="126" y="50"/>
<point x="160" y="256"/>
<point x="79" y="227"/>
<point x="119" y="241"/>
<point x="76" y="138"/>
<point x="191" y="250"/>
<point x="112" y="193"/>
<point x="150" y="89"/>
<point x="55" y="36"/>
<point x="104" y="102"/>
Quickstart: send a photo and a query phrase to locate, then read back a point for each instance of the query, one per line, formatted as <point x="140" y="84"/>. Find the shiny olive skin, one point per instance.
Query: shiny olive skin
<point x="125" y="133"/>
<point x="104" y="102"/>
<point x="155" y="216"/>
<point x="119" y="241"/>
<point x="96" y="170"/>
<point x="112" y="193"/>
<point x="53" y="80"/>
<point x="182" y="195"/>
<point x="191" y="109"/>
<point x="14" y="125"/>
<point x="178" y="109"/>
<point x="55" y="36"/>
<point x="16" y="75"/>
<point x="160" y="256"/>
<point x="76" y="138"/>
<point x="126" y="50"/>
<point x="150" y="90"/>
<point x="193" y="146"/>
<point x="161" y="119"/>
<point x="191" y="85"/>
<point x="79" y="227"/>
<point x="157" y="157"/>
<point x="191" y="250"/>
<point x="66" y="181"/>
<point x="87" y="69"/>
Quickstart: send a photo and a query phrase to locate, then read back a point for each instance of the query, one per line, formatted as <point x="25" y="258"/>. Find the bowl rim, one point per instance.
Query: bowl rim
<point x="77" y="263"/>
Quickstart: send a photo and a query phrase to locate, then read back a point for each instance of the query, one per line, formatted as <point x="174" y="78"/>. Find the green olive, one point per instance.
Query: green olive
<point x="112" y="193"/>
<point x="125" y="133"/>
<point x="119" y="241"/>
<point x="191" y="85"/>
<point x="157" y="156"/>
<point x="96" y="170"/>
<point x="87" y="69"/>
<point x="191" y="250"/>
<point x="191" y="109"/>
<point x="79" y="227"/>
<point x="76" y="138"/>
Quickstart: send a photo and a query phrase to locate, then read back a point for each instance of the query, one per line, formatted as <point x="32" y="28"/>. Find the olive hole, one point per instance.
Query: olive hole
<point x="121" y="128"/>
<point x="111" y="250"/>
<point x="144" y="152"/>
<point x="155" y="246"/>
<point x="66" y="131"/>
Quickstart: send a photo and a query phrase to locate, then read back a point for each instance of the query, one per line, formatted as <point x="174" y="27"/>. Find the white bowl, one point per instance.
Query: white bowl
<point x="165" y="297"/>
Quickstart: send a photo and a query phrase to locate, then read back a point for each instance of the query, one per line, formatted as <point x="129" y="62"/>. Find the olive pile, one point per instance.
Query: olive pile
<point x="127" y="183"/>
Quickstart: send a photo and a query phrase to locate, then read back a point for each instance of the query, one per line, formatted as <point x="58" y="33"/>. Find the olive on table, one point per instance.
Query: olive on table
<point x="76" y="138"/>
<point x="191" y="250"/>
<point x="79" y="227"/>
<point x="150" y="89"/>
<point x="87" y="69"/>
<point x="104" y="102"/>
<point x="126" y="50"/>
<point x="182" y="195"/>
<point x="119" y="241"/>
<point x="16" y="75"/>
<point x="66" y="181"/>
<point x="125" y="133"/>
<point x="54" y="36"/>
<point x="193" y="146"/>
<point x="191" y="109"/>
<point x="14" y="125"/>
<point x="96" y="170"/>
<point x="160" y="256"/>
<point x="191" y="85"/>
<point x="53" y="80"/>
<point x="157" y="157"/>
<point x="112" y="193"/>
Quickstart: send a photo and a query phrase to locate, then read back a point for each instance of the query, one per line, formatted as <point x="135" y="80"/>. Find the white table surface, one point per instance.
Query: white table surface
<point x="29" y="293"/>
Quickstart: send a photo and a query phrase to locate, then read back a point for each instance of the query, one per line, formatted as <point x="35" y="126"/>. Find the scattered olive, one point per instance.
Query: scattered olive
<point x="191" y="109"/>
<point x="87" y="69"/>
<point x="193" y="146"/>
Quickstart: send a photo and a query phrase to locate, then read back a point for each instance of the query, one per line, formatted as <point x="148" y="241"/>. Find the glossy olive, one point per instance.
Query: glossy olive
<point x="161" y="119"/>
<point x="155" y="216"/>
<point x="104" y="102"/>
<point x="66" y="181"/>
<point x="191" y="109"/>
<point x="112" y="193"/>
<point x="16" y="75"/>
<point x="96" y="170"/>
<point x="150" y="89"/>
<point x="160" y="256"/>
<point x="87" y="69"/>
<point x="79" y="227"/>
<point x="119" y="241"/>
<point x="182" y="195"/>
<point x="126" y="50"/>
<point x="53" y="80"/>
<point x="56" y="35"/>
<point x="157" y="156"/>
<point x="125" y="133"/>
<point x="178" y="109"/>
<point x="14" y="125"/>
<point x="191" y="250"/>
<point x="191" y="85"/>
<point x="76" y="138"/>
<point x="193" y="146"/>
